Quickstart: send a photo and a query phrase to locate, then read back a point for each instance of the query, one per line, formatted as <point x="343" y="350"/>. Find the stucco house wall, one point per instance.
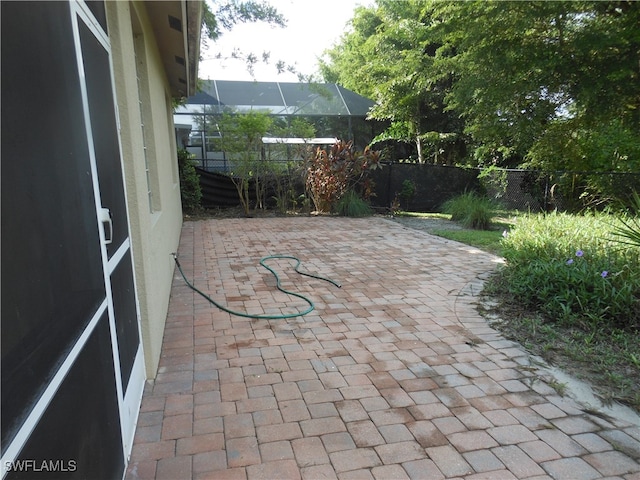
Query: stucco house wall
<point x="144" y="98"/>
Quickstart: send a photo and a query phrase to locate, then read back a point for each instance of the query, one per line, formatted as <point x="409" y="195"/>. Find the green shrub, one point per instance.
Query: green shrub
<point x="569" y="268"/>
<point x="351" y="205"/>
<point x="471" y="210"/>
<point x="190" y="191"/>
<point x="407" y="192"/>
<point x="627" y="231"/>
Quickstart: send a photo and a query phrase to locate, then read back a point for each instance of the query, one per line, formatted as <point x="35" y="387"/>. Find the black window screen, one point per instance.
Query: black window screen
<point x="52" y="279"/>
<point x="81" y="425"/>
<point x="124" y="304"/>
<point x="105" y="136"/>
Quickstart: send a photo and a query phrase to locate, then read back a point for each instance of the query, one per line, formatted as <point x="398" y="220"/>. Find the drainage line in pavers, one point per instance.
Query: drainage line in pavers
<point x="278" y="286"/>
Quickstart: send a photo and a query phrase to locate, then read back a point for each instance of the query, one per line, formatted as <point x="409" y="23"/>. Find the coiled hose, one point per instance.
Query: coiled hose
<point x="278" y="286"/>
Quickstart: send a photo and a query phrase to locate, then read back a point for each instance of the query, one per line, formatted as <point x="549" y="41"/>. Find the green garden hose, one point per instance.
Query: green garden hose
<point x="279" y="287"/>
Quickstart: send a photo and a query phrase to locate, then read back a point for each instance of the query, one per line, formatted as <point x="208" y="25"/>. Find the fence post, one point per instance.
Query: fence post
<point x="546" y="193"/>
<point x="389" y="201"/>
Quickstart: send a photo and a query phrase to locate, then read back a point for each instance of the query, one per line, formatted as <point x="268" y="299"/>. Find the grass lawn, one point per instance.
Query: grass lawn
<point x="487" y="240"/>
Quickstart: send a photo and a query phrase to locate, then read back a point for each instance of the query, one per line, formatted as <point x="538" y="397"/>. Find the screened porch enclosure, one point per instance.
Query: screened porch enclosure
<point x="335" y="113"/>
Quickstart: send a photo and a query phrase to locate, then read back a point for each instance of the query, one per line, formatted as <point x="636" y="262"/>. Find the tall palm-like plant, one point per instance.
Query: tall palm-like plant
<point x="628" y="231"/>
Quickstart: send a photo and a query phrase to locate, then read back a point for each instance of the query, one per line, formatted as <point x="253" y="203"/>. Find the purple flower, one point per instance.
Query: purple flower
<point x="579" y="253"/>
<point x="604" y="274"/>
<point x="505" y="234"/>
<point x="570" y="261"/>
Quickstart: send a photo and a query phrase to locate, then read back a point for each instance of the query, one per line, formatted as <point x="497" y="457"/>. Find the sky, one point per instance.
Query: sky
<point x="312" y="27"/>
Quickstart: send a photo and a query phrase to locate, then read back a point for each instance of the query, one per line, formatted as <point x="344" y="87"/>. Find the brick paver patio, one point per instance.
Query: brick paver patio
<point x="394" y="375"/>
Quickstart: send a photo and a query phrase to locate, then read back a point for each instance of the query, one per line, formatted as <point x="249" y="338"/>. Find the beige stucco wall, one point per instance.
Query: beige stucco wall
<point x="155" y="231"/>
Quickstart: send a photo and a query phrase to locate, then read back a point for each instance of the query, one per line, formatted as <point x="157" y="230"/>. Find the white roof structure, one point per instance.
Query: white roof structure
<point x="300" y="141"/>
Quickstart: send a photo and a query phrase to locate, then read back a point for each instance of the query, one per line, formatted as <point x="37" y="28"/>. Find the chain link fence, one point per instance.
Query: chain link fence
<point x="425" y="188"/>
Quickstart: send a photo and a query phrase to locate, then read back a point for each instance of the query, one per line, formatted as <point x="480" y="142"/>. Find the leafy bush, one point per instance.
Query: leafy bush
<point x="471" y="210"/>
<point x="190" y="191"/>
<point x="406" y="194"/>
<point x="282" y="181"/>
<point x="330" y="174"/>
<point x="351" y="205"/>
<point x="494" y="180"/>
<point x="569" y="268"/>
<point x="241" y="140"/>
<point x="570" y="146"/>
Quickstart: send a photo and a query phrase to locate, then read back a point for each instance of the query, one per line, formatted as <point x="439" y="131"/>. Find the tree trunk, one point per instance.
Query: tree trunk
<point x="419" y="148"/>
<point x="242" y="187"/>
<point x="416" y="127"/>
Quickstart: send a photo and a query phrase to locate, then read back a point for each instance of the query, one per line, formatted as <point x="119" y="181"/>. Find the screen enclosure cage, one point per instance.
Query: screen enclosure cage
<point x="335" y="113"/>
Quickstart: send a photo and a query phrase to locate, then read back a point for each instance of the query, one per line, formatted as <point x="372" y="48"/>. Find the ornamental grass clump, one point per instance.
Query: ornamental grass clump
<point x="351" y="205"/>
<point x="568" y="268"/>
<point x="471" y="210"/>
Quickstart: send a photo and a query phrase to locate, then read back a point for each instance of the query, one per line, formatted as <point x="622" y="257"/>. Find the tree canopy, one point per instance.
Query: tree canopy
<point x="222" y="15"/>
<point x="549" y="84"/>
<point x="228" y="13"/>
